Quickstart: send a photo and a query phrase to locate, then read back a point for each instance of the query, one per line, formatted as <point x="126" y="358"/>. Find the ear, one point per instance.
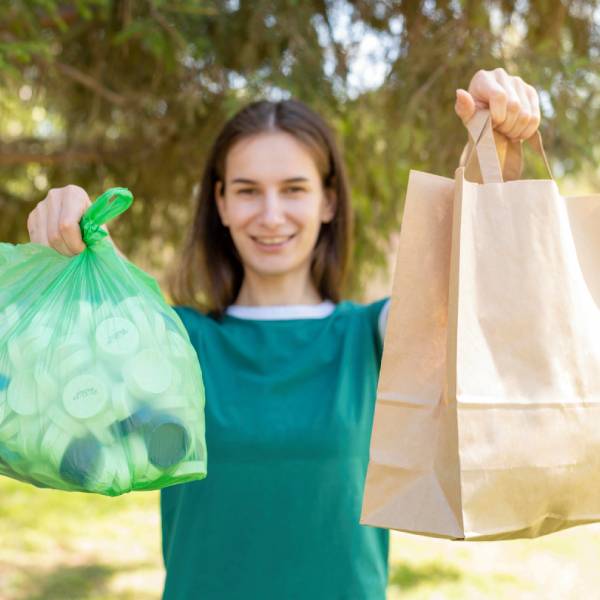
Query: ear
<point x="220" y="200"/>
<point x="330" y="205"/>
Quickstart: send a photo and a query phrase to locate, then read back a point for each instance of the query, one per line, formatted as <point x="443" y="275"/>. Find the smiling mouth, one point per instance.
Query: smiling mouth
<point x="273" y="241"/>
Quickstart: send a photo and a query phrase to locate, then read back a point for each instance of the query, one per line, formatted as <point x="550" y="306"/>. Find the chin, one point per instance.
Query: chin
<point x="274" y="268"/>
<point x="274" y="271"/>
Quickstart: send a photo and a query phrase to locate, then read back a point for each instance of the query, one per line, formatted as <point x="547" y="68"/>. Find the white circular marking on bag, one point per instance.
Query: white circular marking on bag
<point x="21" y="395"/>
<point x="116" y="338"/>
<point x="84" y="396"/>
<point x="148" y="373"/>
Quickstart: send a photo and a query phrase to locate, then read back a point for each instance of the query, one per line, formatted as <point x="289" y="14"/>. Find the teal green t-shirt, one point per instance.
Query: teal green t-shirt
<point x="289" y="410"/>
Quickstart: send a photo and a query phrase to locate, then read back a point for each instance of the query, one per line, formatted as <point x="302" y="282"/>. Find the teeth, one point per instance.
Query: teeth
<point x="273" y="240"/>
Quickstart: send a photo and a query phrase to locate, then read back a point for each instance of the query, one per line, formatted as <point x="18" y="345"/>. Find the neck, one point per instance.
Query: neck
<point x="279" y="290"/>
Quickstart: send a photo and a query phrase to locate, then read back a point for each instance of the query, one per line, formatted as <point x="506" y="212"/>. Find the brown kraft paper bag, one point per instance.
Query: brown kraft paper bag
<point x="487" y="421"/>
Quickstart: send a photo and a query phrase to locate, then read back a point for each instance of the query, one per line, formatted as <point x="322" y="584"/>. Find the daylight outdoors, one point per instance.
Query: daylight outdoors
<point x="104" y="93"/>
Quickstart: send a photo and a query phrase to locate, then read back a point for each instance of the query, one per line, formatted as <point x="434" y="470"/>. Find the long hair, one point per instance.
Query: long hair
<point x="210" y="273"/>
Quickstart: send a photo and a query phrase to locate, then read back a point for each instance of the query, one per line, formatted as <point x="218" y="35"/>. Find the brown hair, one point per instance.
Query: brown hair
<point x="210" y="273"/>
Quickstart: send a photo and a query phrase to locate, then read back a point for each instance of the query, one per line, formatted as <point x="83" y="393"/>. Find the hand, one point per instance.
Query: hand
<point x="55" y="220"/>
<point x="513" y="104"/>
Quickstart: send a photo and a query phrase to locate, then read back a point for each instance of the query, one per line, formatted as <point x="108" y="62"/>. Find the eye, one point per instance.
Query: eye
<point x="294" y="189"/>
<point x="248" y="191"/>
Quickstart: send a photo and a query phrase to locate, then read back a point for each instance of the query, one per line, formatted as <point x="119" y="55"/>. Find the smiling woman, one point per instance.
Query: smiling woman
<point x="274" y="224"/>
<point x="290" y="369"/>
<point x="273" y="220"/>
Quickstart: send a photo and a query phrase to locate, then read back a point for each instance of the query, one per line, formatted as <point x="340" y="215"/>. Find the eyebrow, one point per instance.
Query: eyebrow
<point x="288" y="180"/>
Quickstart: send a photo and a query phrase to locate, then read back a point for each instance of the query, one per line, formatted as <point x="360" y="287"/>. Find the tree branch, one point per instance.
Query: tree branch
<point x="91" y="83"/>
<point x="80" y="156"/>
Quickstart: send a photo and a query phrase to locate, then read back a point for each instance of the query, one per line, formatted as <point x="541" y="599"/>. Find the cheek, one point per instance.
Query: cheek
<point x="305" y="213"/>
<point x="240" y="214"/>
<point x="310" y="221"/>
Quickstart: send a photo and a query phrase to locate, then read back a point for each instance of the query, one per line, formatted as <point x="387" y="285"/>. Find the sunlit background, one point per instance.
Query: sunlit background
<point x="131" y="93"/>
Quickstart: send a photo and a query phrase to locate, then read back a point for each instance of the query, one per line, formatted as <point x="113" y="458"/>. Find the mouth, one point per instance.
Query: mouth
<point x="272" y="242"/>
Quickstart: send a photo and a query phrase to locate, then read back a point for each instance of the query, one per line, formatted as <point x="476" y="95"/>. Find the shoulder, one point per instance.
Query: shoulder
<point x="193" y="319"/>
<point x="373" y="313"/>
<point x="367" y="320"/>
<point x="371" y="308"/>
<point x="187" y="312"/>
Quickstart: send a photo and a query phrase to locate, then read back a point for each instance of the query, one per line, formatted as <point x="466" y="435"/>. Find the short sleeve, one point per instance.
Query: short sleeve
<point x="186" y="316"/>
<point x="383" y="318"/>
<point x="374" y="310"/>
<point x="191" y="318"/>
<point x="194" y="323"/>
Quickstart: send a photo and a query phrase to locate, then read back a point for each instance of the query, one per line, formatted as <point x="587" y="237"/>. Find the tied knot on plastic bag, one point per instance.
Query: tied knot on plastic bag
<point x="106" y="207"/>
<point x="92" y="233"/>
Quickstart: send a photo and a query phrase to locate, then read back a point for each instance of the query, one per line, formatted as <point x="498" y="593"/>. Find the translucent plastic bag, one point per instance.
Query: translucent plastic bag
<point x="100" y="388"/>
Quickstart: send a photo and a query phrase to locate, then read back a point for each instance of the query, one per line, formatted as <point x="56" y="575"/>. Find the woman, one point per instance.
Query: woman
<point x="290" y="370"/>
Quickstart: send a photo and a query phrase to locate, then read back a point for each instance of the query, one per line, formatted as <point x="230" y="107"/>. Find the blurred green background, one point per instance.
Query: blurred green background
<point x="131" y="93"/>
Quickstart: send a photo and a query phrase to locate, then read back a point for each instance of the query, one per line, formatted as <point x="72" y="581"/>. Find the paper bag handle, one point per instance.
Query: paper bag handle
<point x="509" y="155"/>
<point x="536" y="144"/>
<point x="482" y="143"/>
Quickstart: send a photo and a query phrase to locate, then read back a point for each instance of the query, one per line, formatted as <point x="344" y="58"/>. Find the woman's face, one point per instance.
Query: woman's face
<point x="274" y="203"/>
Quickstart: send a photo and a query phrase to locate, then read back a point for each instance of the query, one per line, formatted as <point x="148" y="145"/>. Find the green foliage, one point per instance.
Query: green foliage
<point x="46" y="552"/>
<point x="406" y="576"/>
<point x="134" y="93"/>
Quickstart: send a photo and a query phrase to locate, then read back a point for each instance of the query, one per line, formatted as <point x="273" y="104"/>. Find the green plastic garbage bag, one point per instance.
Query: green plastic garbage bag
<point x="100" y="388"/>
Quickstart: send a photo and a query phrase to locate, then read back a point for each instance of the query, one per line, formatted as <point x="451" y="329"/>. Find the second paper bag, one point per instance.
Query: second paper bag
<point x="487" y="421"/>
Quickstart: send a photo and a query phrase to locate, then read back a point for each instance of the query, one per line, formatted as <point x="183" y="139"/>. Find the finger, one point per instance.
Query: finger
<point x="465" y="105"/>
<point x="534" y="102"/>
<point x="68" y="223"/>
<point x="524" y="117"/>
<point x="488" y="93"/>
<point x="55" y="238"/>
<point x="497" y="105"/>
<point x="513" y="105"/>
<point x="38" y="233"/>
<point x="31" y="219"/>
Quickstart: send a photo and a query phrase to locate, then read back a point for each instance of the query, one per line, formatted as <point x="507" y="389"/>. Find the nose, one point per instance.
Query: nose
<point x="272" y="213"/>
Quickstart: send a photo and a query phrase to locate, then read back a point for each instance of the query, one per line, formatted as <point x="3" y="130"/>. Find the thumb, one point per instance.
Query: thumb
<point x="465" y="105"/>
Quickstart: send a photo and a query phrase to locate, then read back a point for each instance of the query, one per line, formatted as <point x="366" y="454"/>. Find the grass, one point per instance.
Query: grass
<point x="70" y="546"/>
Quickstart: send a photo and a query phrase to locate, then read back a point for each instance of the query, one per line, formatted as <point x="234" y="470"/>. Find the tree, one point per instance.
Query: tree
<point x="117" y="92"/>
